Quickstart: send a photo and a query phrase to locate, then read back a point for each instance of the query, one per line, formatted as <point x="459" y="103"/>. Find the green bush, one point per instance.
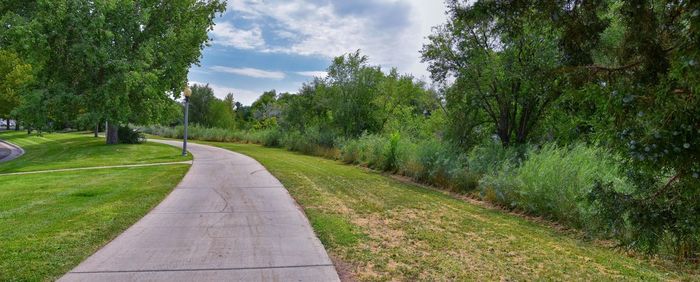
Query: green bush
<point x="554" y="182"/>
<point x="350" y="151"/>
<point x="270" y="137"/>
<point x="489" y="157"/>
<point x="128" y="135"/>
<point x="391" y="153"/>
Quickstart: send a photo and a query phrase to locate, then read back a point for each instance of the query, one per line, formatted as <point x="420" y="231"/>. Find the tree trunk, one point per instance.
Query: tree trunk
<point x="112" y="137"/>
<point x="7" y="123"/>
<point x="16" y="125"/>
<point x="97" y="128"/>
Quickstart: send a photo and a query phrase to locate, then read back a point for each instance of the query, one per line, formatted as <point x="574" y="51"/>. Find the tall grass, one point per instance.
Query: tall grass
<point x="554" y="182"/>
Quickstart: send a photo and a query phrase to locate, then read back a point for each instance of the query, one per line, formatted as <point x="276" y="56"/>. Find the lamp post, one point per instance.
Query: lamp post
<point x="188" y="93"/>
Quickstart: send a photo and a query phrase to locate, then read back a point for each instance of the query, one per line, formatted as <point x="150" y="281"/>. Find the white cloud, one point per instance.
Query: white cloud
<point x="245" y="96"/>
<point x="390" y="32"/>
<point x="313" y="73"/>
<point x="226" y="34"/>
<point x="250" y="72"/>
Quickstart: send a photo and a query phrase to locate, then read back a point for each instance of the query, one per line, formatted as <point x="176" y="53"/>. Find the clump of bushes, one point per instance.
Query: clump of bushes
<point x="554" y="182"/>
<point x="128" y="135"/>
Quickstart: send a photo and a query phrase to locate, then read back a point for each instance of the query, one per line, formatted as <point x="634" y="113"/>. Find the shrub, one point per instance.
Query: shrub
<point x="391" y="153"/>
<point x="127" y="135"/>
<point x="350" y="151"/>
<point x="489" y="157"/>
<point x="437" y="160"/>
<point x="271" y="137"/>
<point x="554" y="182"/>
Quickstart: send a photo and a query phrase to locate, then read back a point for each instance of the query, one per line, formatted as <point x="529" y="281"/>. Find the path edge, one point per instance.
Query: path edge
<point x="18" y="151"/>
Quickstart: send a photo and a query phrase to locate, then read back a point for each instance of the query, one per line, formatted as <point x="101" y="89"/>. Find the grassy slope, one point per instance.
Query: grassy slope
<point x="388" y="230"/>
<point x="71" y="150"/>
<point x="49" y="222"/>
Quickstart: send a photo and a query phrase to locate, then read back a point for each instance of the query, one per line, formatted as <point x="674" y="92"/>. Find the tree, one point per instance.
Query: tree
<point x="265" y="110"/>
<point x="221" y="113"/>
<point x="352" y="88"/>
<point x="650" y="77"/>
<point x="122" y="61"/>
<point x="14" y="76"/>
<point x="200" y="102"/>
<point x="504" y="62"/>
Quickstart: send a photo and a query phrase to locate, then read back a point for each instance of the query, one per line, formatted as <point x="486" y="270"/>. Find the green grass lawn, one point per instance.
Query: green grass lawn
<point x="50" y="222"/>
<point x="383" y="229"/>
<point x="73" y="150"/>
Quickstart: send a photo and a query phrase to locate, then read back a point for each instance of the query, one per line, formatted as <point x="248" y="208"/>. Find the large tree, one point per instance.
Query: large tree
<point x="506" y="63"/>
<point x="14" y="77"/>
<point x="650" y="75"/>
<point x="502" y="65"/>
<point x="119" y="61"/>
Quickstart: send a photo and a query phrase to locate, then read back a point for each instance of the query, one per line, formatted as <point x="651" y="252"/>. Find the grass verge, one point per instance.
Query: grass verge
<point x="50" y="222"/>
<point x="73" y="150"/>
<point x="389" y="230"/>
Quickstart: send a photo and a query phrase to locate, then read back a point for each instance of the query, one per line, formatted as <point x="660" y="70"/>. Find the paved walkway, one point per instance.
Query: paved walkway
<point x="228" y="220"/>
<point x="9" y="151"/>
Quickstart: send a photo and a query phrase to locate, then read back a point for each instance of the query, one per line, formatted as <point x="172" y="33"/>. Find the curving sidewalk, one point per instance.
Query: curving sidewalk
<point x="228" y="220"/>
<point x="9" y="151"/>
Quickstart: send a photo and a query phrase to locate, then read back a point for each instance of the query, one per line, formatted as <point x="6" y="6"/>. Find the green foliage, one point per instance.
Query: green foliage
<point x="555" y="182"/>
<point x="128" y="135"/>
<point x="504" y="66"/>
<point x="392" y="151"/>
<point x="654" y="121"/>
<point x="270" y="137"/>
<point x="210" y="111"/>
<point x="14" y="77"/>
<point x="200" y="104"/>
<point x="354" y="98"/>
<point x="121" y="62"/>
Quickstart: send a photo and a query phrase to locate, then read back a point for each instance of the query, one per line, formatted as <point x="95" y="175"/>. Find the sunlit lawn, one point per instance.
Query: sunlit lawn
<point x="71" y="150"/>
<point x="50" y="222"/>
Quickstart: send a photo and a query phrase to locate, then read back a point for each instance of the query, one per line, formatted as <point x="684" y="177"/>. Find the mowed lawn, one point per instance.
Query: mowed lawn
<point x="72" y="150"/>
<point x="51" y="221"/>
<point x="383" y="229"/>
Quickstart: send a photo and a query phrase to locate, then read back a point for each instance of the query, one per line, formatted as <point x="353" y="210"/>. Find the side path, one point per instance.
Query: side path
<point x="228" y="220"/>
<point x="9" y="151"/>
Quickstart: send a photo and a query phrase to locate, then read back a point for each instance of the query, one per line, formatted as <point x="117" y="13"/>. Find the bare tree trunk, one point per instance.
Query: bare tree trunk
<point x="112" y="137"/>
<point x="7" y="123"/>
<point x="97" y="128"/>
<point x="16" y="125"/>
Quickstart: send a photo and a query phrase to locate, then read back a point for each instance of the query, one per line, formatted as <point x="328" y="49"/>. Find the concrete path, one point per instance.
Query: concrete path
<point x="9" y="151"/>
<point x="228" y="220"/>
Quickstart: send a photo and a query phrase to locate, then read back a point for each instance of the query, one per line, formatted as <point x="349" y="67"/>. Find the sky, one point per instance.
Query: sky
<point x="259" y="45"/>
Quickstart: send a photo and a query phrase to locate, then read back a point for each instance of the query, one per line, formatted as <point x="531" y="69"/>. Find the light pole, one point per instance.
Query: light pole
<point x="188" y="93"/>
